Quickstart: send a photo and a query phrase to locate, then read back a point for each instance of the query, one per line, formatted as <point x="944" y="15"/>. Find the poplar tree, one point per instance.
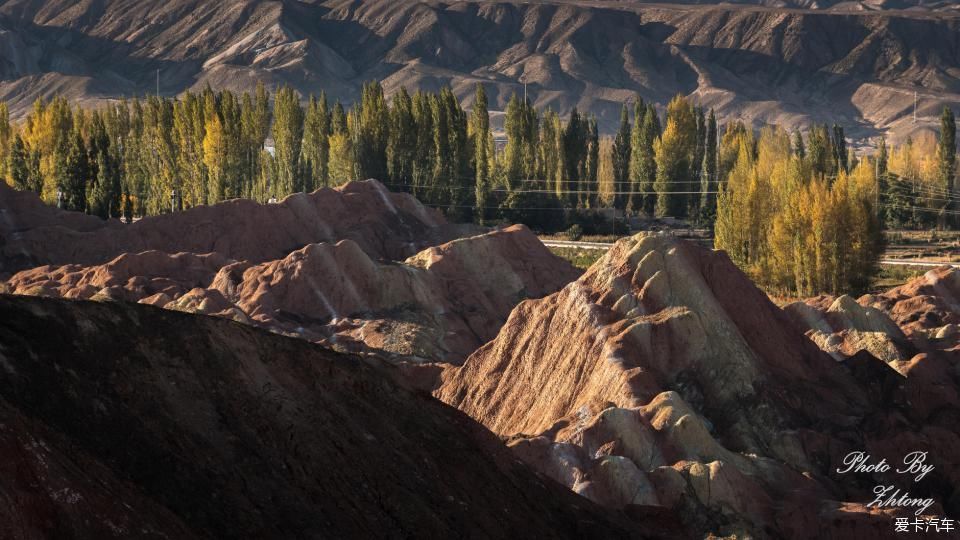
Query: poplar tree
<point x="483" y="150"/>
<point x="451" y="169"/>
<point x="513" y="153"/>
<point x="822" y="154"/>
<point x="373" y="127"/>
<point x="638" y="138"/>
<point x="561" y="182"/>
<point x="799" y="149"/>
<point x="464" y="180"/>
<point x="696" y="164"/>
<point x="76" y="174"/>
<point x="643" y="168"/>
<point x="672" y="153"/>
<point x="605" y="180"/>
<point x="549" y="168"/>
<point x="190" y="128"/>
<point x="530" y="128"/>
<point x="338" y="119"/>
<point x="592" y="164"/>
<point x="402" y="143"/>
<point x="17" y="166"/>
<point x="947" y="159"/>
<point x="443" y="166"/>
<point x="103" y="195"/>
<point x="256" y="129"/>
<point x="214" y="158"/>
<point x="575" y="143"/>
<point x="342" y="164"/>
<point x="882" y="156"/>
<point x="426" y="155"/>
<point x="316" y="139"/>
<point x="230" y="115"/>
<point x="709" y="183"/>
<point x="6" y="133"/>
<point x="287" y="138"/>
<point x="620" y="159"/>
<point x="261" y="113"/>
<point x="840" y="149"/>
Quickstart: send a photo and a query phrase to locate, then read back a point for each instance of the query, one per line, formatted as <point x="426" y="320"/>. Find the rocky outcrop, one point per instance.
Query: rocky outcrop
<point x="439" y="305"/>
<point x="843" y="326"/>
<point x="383" y="224"/>
<point x="919" y="317"/>
<point x="926" y="308"/>
<point x="119" y="420"/>
<point x="664" y="377"/>
<point x="130" y="277"/>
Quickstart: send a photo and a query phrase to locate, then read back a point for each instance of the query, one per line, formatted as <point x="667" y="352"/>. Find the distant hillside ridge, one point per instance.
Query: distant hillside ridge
<point x="792" y="62"/>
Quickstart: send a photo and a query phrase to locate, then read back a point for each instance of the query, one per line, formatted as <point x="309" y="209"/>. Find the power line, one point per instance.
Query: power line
<point x="922" y="209"/>
<point x="930" y="193"/>
<point x="554" y="192"/>
<point x="587" y="192"/>
<point x="555" y="209"/>
<point x="534" y="180"/>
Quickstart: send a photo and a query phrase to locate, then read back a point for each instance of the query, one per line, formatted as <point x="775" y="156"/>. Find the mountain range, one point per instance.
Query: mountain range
<point x="793" y="62"/>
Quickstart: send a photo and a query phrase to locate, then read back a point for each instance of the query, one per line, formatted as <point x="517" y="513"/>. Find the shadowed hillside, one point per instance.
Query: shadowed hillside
<point x="119" y="420"/>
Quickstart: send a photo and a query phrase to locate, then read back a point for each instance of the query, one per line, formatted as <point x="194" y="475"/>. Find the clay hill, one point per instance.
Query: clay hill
<point x="921" y="316"/>
<point x="337" y="266"/>
<point x="439" y="305"/>
<point x="663" y="377"/>
<point x="792" y="62"/>
<point x="383" y="224"/>
<point x="119" y="421"/>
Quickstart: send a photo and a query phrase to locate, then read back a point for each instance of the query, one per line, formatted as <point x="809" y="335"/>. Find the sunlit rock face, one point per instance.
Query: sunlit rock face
<point x="842" y="327"/>
<point x="926" y="308"/>
<point x="664" y="377"/>
<point x="921" y="316"/>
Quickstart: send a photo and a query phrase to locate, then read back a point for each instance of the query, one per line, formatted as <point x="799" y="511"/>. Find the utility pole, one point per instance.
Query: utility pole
<point x="876" y="175"/>
<point x="158" y="83"/>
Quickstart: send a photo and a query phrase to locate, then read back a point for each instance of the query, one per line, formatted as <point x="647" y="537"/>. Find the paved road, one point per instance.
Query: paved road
<point x="578" y="245"/>
<point x="605" y="246"/>
<point x="910" y="262"/>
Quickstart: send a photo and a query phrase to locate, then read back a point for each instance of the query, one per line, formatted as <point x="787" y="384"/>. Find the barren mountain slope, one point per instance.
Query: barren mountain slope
<point x="118" y="420"/>
<point x="848" y="64"/>
<point x="384" y="224"/>
<point x="664" y="377"/>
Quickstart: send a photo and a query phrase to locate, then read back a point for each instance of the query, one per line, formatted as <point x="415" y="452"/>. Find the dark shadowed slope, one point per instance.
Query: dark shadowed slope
<point x="124" y="420"/>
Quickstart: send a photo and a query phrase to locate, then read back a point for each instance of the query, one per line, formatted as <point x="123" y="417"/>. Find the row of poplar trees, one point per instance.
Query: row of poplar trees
<point x="156" y="155"/>
<point x="649" y="168"/>
<point x="147" y="156"/>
